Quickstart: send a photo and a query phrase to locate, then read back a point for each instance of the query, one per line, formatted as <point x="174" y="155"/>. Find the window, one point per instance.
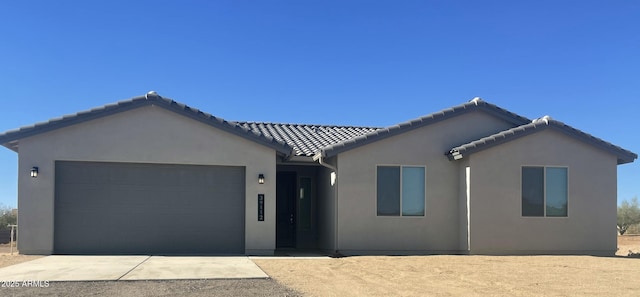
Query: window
<point x="401" y="190"/>
<point x="544" y="191"/>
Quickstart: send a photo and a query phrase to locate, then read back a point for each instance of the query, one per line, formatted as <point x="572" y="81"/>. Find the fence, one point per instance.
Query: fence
<point x="5" y="236"/>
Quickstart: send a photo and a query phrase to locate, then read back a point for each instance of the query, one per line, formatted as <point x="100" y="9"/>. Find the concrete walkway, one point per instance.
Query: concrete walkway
<point x="113" y="268"/>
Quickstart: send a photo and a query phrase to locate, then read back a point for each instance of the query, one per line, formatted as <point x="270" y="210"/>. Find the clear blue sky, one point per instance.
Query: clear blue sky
<point x="372" y="63"/>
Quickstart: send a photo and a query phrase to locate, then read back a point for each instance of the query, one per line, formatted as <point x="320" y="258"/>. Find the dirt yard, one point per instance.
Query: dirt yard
<point x="452" y="275"/>
<point x="628" y="243"/>
<point x="463" y="275"/>
<point x="6" y="259"/>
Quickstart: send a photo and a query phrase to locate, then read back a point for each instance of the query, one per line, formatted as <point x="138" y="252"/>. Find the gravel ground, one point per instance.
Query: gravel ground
<point x="194" y="288"/>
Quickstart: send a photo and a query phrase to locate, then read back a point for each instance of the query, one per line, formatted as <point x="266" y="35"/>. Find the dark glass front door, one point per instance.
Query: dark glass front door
<point x="286" y="209"/>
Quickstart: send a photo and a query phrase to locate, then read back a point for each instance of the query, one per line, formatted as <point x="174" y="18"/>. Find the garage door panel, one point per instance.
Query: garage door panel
<point x="76" y="173"/>
<point x="123" y="208"/>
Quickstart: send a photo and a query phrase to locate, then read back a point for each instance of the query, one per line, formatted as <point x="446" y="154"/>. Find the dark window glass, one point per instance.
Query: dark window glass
<point x="388" y="185"/>
<point x="306" y="199"/>
<point x="532" y="191"/>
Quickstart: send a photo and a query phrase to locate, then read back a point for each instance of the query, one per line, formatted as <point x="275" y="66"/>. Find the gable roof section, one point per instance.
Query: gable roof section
<point x="473" y="105"/>
<point x="307" y="140"/>
<point x="11" y="139"/>
<point x="327" y="140"/>
<point x="537" y="125"/>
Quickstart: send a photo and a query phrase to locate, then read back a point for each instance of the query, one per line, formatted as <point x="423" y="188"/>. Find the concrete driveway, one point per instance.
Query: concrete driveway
<point x="113" y="268"/>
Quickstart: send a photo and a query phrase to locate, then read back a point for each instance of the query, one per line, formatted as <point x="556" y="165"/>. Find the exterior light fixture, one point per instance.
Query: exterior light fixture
<point x="34" y="172"/>
<point x="261" y="178"/>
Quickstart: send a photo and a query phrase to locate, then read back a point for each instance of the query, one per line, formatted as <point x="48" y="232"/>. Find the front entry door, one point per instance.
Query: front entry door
<point x="286" y="209"/>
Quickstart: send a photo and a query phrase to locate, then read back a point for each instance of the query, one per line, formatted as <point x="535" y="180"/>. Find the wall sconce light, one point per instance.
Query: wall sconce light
<point x="261" y="178"/>
<point x="34" y="172"/>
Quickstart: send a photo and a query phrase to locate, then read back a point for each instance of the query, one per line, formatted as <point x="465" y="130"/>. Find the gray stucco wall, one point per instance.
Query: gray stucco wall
<point x="145" y="135"/>
<point x="326" y="210"/>
<point x="496" y="222"/>
<point x="360" y="230"/>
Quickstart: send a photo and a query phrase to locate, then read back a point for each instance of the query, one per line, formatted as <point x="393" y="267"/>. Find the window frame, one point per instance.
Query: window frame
<point x="544" y="190"/>
<point x="375" y="201"/>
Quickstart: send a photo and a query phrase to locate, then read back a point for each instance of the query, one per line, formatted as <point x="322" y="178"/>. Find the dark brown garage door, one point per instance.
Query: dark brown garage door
<point x="130" y="208"/>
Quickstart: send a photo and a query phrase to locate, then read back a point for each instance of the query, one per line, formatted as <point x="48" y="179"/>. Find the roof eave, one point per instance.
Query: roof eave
<point x="12" y="145"/>
<point x="10" y="139"/>
<point x="627" y="160"/>
<point x="623" y="156"/>
<point x="454" y="155"/>
<point x="69" y="120"/>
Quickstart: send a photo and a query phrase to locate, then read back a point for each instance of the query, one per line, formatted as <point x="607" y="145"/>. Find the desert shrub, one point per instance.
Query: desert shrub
<point x="634" y="229"/>
<point x="7" y="216"/>
<point x="628" y="215"/>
